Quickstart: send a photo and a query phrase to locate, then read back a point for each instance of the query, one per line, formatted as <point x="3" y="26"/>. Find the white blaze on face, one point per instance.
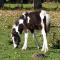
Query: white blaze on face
<point x="16" y="27"/>
<point x="21" y="21"/>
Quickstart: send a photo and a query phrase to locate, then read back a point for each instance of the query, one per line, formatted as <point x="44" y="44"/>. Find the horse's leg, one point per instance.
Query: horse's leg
<point x="15" y="38"/>
<point x="14" y="44"/>
<point x="25" y="41"/>
<point x="45" y="45"/>
<point x="35" y="39"/>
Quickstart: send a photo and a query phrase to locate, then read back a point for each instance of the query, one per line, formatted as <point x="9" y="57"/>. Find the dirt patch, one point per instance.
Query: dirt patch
<point x="38" y="55"/>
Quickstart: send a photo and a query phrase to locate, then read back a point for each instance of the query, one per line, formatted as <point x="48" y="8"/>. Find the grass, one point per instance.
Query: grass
<point x="7" y="52"/>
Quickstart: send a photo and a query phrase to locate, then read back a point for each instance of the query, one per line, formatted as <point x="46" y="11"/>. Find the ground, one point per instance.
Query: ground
<point x="7" y="52"/>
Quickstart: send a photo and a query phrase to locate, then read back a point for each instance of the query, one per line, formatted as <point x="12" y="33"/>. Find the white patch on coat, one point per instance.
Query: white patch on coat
<point x="21" y="21"/>
<point x="28" y="19"/>
<point x="42" y="14"/>
<point x="24" y="14"/>
<point x="47" y="19"/>
<point x="45" y="46"/>
<point x="25" y="41"/>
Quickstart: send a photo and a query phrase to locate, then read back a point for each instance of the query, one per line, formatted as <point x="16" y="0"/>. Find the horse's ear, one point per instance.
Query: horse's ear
<point x="26" y="14"/>
<point x="16" y="22"/>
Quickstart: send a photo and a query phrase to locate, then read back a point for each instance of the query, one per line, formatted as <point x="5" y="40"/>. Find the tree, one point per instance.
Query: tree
<point x="1" y="3"/>
<point x="37" y="4"/>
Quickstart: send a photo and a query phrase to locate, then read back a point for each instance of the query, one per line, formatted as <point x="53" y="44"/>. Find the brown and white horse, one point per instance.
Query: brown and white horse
<point x="31" y="21"/>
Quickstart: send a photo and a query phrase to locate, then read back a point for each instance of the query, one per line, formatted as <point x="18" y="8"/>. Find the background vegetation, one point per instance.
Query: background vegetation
<point x="45" y="5"/>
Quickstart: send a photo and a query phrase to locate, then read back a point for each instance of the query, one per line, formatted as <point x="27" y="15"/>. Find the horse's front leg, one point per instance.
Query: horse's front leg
<point x="25" y="40"/>
<point x="35" y="39"/>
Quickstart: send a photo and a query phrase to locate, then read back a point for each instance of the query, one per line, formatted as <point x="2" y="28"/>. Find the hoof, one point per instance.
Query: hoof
<point x="45" y="50"/>
<point x="37" y="47"/>
<point x="23" y="48"/>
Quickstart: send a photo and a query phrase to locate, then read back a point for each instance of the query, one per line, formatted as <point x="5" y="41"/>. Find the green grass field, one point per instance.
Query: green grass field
<point x="7" y="52"/>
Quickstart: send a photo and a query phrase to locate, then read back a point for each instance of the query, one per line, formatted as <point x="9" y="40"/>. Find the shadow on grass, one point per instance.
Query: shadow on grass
<point x="33" y="48"/>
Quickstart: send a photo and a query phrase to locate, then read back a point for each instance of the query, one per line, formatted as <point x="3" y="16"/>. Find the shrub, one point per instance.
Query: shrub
<point x="51" y="6"/>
